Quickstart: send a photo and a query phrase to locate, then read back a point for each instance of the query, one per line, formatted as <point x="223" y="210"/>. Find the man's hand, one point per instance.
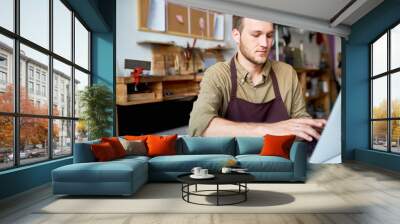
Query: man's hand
<point x="304" y="128"/>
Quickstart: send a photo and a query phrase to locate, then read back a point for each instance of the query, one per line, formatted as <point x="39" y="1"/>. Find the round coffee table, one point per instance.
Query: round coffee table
<point x="238" y="179"/>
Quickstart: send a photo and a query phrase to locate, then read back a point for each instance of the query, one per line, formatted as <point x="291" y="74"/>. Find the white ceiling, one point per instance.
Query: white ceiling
<point x="319" y="9"/>
<point x="313" y="15"/>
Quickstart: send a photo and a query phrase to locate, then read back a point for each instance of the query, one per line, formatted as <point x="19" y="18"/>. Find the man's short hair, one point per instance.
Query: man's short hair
<point x="237" y="23"/>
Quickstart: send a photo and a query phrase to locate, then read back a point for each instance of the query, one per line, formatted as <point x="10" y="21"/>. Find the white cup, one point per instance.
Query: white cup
<point x="196" y="170"/>
<point x="203" y="172"/>
<point x="226" y="170"/>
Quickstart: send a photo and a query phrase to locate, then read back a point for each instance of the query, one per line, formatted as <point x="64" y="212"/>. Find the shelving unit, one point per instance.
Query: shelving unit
<point x="317" y="86"/>
<point x="158" y="89"/>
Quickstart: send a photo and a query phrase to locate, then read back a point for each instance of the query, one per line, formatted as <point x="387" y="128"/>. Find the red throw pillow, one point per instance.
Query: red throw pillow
<point x="103" y="151"/>
<point x="277" y="145"/>
<point x="161" y="145"/>
<point x="116" y="145"/>
<point x="135" y="138"/>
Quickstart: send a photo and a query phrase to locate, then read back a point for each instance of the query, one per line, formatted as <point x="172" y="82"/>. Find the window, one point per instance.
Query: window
<point x="44" y="91"/>
<point x="30" y="72"/>
<point x="385" y="97"/>
<point x="54" y="126"/>
<point x="3" y="61"/>
<point x="62" y="29"/>
<point x="35" y="22"/>
<point x="30" y="88"/>
<point x="37" y="74"/>
<point x="3" y="72"/>
<point x="43" y="77"/>
<point x="3" y="78"/>
<point x="38" y="89"/>
<point x="81" y="45"/>
<point x="7" y="73"/>
<point x="7" y="14"/>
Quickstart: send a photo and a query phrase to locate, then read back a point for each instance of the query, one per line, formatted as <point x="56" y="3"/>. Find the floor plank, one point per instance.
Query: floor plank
<point x="376" y="189"/>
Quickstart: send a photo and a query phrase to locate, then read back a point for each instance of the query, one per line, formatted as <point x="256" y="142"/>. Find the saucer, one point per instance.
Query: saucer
<point x="208" y="176"/>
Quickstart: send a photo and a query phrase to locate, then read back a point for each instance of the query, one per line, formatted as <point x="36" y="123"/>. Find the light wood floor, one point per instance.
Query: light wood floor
<point x="378" y="188"/>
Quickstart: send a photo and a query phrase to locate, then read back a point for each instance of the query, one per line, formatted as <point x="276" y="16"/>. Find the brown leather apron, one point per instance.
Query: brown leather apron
<point x="243" y="111"/>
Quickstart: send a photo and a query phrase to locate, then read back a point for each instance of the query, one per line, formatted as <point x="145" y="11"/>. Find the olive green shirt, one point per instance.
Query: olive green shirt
<point x="215" y="92"/>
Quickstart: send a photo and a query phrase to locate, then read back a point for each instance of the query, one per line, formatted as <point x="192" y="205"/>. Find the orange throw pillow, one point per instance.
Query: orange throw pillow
<point x="116" y="145"/>
<point x="136" y="138"/>
<point x="161" y="145"/>
<point x="277" y="145"/>
<point x="103" y="151"/>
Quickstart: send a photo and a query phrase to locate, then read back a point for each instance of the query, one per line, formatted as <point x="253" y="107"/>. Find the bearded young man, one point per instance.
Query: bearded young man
<point x="250" y="95"/>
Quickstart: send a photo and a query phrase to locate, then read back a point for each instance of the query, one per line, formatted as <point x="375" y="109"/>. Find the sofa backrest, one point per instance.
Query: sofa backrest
<point x="190" y="146"/>
<point x="83" y="152"/>
<point x="249" y="145"/>
<point x="206" y="145"/>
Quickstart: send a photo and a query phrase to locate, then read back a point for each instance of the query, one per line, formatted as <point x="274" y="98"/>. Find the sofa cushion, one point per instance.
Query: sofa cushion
<point x="257" y="163"/>
<point x="134" y="147"/>
<point x="206" y="145"/>
<point x="112" y="171"/>
<point x="277" y="145"/>
<point x="185" y="163"/>
<point x="249" y="145"/>
<point x="161" y="145"/>
<point x="116" y="145"/>
<point x="103" y="152"/>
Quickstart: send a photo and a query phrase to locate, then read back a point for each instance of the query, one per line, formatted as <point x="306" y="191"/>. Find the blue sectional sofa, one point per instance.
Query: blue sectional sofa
<point x="125" y="176"/>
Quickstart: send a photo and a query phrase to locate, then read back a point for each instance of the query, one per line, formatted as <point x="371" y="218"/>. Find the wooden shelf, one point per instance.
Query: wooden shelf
<point x="160" y="88"/>
<point x="148" y="42"/>
<point x="180" y="96"/>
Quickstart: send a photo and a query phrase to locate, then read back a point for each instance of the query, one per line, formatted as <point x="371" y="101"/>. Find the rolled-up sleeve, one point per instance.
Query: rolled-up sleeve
<point x="298" y="109"/>
<point x="207" y="105"/>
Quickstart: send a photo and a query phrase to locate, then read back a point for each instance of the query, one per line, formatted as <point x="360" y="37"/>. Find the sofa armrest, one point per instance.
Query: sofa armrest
<point x="298" y="155"/>
<point x="83" y="152"/>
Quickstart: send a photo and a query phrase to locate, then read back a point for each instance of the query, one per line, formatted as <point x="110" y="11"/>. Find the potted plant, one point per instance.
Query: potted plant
<point x="96" y="103"/>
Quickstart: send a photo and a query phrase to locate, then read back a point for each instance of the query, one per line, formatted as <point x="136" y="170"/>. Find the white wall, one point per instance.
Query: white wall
<point x="128" y="35"/>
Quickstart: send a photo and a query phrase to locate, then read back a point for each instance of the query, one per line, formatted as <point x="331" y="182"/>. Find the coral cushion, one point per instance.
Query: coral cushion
<point x="116" y="145"/>
<point x="135" y="138"/>
<point x="103" y="151"/>
<point x="161" y="145"/>
<point x="277" y="145"/>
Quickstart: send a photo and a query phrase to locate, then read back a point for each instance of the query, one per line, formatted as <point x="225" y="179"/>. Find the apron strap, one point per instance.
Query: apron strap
<point x="275" y="84"/>
<point x="233" y="78"/>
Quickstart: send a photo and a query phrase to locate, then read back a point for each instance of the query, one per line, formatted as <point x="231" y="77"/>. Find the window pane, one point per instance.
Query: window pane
<point x="7" y="14"/>
<point x="395" y="94"/>
<point x="395" y="47"/>
<point x="35" y="21"/>
<point x="33" y="139"/>
<point x="379" y="135"/>
<point x="6" y="142"/>
<point x="6" y="74"/>
<point x="395" y="138"/>
<point x="34" y="81"/>
<point x="81" y="132"/>
<point x="62" y="29"/>
<point x="379" y="55"/>
<point x="62" y="89"/>
<point x="379" y="98"/>
<point x="81" y="45"/>
<point x="81" y="81"/>
<point x="62" y="138"/>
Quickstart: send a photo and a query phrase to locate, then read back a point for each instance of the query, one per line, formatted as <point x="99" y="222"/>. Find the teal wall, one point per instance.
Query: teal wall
<point x="24" y="178"/>
<point x="355" y="96"/>
<point x="99" y="15"/>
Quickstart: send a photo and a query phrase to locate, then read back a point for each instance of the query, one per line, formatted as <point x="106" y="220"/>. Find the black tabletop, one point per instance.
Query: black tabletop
<point x="220" y="178"/>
